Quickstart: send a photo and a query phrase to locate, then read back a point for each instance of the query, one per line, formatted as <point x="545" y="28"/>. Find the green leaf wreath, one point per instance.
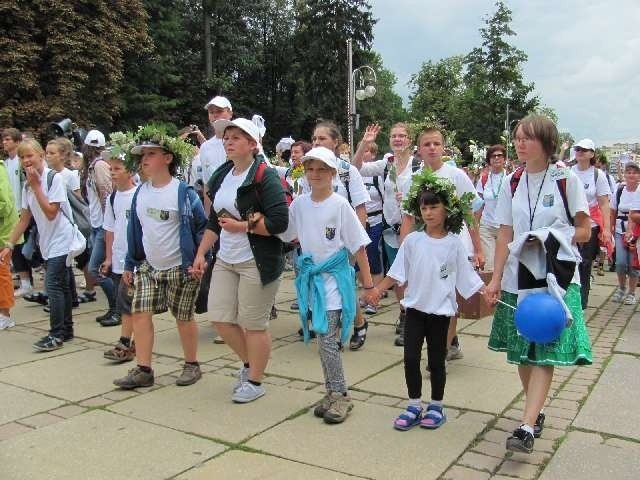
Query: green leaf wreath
<point x="458" y="208"/>
<point x="182" y="151"/>
<point x="121" y="145"/>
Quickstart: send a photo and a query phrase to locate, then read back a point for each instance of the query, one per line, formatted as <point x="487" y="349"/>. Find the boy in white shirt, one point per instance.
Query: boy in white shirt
<point x="116" y="218"/>
<point x="49" y="207"/>
<point x="436" y="258"/>
<point x="166" y="224"/>
<point x="328" y="230"/>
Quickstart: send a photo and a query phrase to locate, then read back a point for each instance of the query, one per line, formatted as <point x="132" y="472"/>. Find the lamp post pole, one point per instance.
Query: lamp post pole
<point x="351" y="103"/>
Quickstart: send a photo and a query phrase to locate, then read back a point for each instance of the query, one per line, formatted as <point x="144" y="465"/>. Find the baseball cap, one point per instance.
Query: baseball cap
<point x="631" y="164"/>
<point x="243" y="124"/>
<point x="220" y="102"/>
<point x="586" y="143"/>
<point x="95" y="138"/>
<point x="323" y="154"/>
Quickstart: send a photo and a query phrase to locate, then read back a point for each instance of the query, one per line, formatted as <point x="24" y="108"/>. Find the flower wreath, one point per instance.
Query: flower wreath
<point x="182" y="151"/>
<point x="121" y="144"/>
<point x="458" y="208"/>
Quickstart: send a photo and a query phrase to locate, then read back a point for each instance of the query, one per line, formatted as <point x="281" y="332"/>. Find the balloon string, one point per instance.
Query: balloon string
<point x="507" y="305"/>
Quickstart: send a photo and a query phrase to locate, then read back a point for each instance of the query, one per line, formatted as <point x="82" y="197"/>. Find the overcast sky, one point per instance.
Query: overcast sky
<point x="584" y="55"/>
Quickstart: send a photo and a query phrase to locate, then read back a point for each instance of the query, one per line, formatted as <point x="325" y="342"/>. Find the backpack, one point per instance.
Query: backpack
<point x="562" y="186"/>
<point x="79" y="208"/>
<point x="415" y="166"/>
<point x="344" y="176"/>
<point x="288" y="194"/>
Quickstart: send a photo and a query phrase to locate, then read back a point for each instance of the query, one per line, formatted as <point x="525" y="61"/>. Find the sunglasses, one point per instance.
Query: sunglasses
<point x="580" y="149"/>
<point x="497" y="155"/>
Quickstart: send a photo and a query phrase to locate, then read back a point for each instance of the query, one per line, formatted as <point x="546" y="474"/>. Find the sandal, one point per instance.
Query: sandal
<point x="86" y="297"/>
<point x="434" y="418"/>
<point x="408" y="419"/>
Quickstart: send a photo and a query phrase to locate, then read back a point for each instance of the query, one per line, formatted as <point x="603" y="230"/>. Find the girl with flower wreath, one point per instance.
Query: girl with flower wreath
<point x="433" y="256"/>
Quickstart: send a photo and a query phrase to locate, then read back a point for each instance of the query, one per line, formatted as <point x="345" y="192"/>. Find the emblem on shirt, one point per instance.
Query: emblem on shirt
<point x="444" y="271"/>
<point x="559" y="173"/>
<point x="586" y="186"/>
<point x="547" y="200"/>
<point x="127" y="213"/>
<point x="330" y="233"/>
<point x="157" y="214"/>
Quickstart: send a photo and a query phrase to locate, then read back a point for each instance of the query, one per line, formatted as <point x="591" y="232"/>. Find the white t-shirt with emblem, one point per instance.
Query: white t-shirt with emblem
<point x="116" y="220"/>
<point x="157" y="210"/>
<point x="55" y="236"/>
<point x="324" y="228"/>
<point x="234" y="247"/>
<point x="544" y="203"/>
<point x="439" y="263"/>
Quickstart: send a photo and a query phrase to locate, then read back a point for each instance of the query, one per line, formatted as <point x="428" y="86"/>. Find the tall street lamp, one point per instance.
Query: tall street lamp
<point x="361" y="85"/>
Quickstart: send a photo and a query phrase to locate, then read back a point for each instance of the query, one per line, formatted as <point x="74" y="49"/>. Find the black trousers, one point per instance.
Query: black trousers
<point x="419" y="327"/>
<point x="588" y="251"/>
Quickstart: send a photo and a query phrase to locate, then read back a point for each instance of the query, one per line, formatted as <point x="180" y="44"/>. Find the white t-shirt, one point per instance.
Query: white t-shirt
<point x="96" y="214"/>
<point x="212" y="155"/>
<point x="234" y="247"/>
<point x="463" y="185"/>
<point x="55" y="235"/>
<point x="432" y="269"/>
<point x="358" y="191"/>
<point x="547" y="208"/>
<point x="324" y="228"/>
<point x="13" y="170"/>
<point x="195" y="170"/>
<point x="157" y="210"/>
<point x="593" y="191"/>
<point x="628" y="201"/>
<point x="71" y="179"/>
<point x="116" y="220"/>
<point x="489" y="192"/>
<point x="391" y="207"/>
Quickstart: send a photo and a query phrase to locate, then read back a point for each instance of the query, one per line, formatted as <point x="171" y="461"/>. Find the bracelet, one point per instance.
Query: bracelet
<point x="369" y="288"/>
<point x="9" y="245"/>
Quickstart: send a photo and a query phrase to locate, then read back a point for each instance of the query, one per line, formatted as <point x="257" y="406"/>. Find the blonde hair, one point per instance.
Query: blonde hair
<point x="30" y="144"/>
<point x="65" y="148"/>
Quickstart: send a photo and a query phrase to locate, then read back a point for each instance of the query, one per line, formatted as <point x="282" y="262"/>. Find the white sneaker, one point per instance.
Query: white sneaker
<point x="6" y="322"/>
<point x="618" y="295"/>
<point x="248" y="392"/>
<point x="22" y="291"/>
<point x="630" y="299"/>
<point x="243" y="376"/>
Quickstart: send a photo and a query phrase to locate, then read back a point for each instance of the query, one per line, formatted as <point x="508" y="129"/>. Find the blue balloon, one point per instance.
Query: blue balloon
<point x="540" y="318"/>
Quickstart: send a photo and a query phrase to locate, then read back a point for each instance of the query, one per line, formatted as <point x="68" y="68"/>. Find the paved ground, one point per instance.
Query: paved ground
<point x="61" y="417"/>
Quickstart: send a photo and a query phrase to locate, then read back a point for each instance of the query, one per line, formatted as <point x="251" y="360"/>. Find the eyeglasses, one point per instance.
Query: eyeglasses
<point x="580" y="149"/>
<point x="497" y="155"/>
<point x="523" y="139"/>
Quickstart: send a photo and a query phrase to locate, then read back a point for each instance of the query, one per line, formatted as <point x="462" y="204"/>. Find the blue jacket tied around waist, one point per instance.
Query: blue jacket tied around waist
<point x="309" y="282"/>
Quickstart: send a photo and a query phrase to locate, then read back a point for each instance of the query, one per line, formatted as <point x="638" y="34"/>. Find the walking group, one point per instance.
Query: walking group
<point x="175" y="229"/>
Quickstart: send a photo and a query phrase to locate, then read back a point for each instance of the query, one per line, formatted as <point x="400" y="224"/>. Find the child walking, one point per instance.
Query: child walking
<point x="116" y="217"/>
<point x="436" y="258"/>
<point x="165" y="226"/>
<point x="328" y="230"/>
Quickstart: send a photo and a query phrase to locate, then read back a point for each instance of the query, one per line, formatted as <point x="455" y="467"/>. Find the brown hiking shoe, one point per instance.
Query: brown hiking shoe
<point x="190" y="375"/>
<point x="120" y="353"/>
<point x="135" y="378"/>
<point x="340" y="407"/>
<point x="322" y="406"/>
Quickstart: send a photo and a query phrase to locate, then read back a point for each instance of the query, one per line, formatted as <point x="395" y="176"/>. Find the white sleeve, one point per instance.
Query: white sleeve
<point x="357" y="189"/>
<point x="109" y="222"/>
<point x="479" y="187"/>
<point x="576" y="198"/>
<point x="373" y="169"/>
<point x="464" y="185"/>
<point x="74" y="181"/>
<point x="353" y="233"/>
<point x="635" y="201"/>
<point x="602" y="185"/>
<point x="282" y="171"/>
<point x="24" y="203"/>
<point x="504" y="213"/>
<point x="291" y="233"/>
<point x="468" y="281"/>
<point x="58" y="192"/>
<point x="398" y="270"/>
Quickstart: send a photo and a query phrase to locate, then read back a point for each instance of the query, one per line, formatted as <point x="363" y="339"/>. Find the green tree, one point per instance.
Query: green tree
<point x="493" y="80"/>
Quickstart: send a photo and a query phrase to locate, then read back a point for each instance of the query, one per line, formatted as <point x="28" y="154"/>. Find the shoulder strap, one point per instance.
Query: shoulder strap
<point x="50" y="176"/>
<point x="376" y="185"/>
<point x="415" y="164"/>
<point x="484" y="178"/>
<point x="112" y="199"/>
<point x="619" y="194"/>
<point x="259" y="175"/>
<point x="595" y="179"/>
<point x="562" y="186"/>
<point x="515" y="179"/>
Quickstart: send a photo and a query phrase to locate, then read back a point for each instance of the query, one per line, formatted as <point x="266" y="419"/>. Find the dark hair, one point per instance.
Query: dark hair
<point x="541" y="128"/>
<point x="493" y="149"/>
<point x="12" y="133"/>
<point x="306" y="146"/>
<point x="428" y="197"/>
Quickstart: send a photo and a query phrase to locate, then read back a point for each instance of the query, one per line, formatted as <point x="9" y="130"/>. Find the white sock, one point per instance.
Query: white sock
<point x="437" y="403"/>
<point x="25" y="284"/>
<point x="416" y="402"/>
<point x="527" y="428"/>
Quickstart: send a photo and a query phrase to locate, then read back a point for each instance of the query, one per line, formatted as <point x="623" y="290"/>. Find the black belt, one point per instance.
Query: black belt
<point x="373" y="214"/>
<point x="622" y="219"/>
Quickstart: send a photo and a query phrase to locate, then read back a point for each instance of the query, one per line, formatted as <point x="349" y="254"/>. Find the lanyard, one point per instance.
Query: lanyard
<point x="495" y="193"/>
<point x="535" y="206"/>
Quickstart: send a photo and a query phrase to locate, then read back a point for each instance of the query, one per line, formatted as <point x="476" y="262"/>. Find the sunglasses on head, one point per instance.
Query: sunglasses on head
<point x="580" y="149"/>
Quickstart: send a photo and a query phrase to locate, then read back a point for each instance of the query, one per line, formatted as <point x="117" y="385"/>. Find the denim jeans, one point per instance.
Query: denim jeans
<point x="58" y="281"/>
<point x="97" y="257"/>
